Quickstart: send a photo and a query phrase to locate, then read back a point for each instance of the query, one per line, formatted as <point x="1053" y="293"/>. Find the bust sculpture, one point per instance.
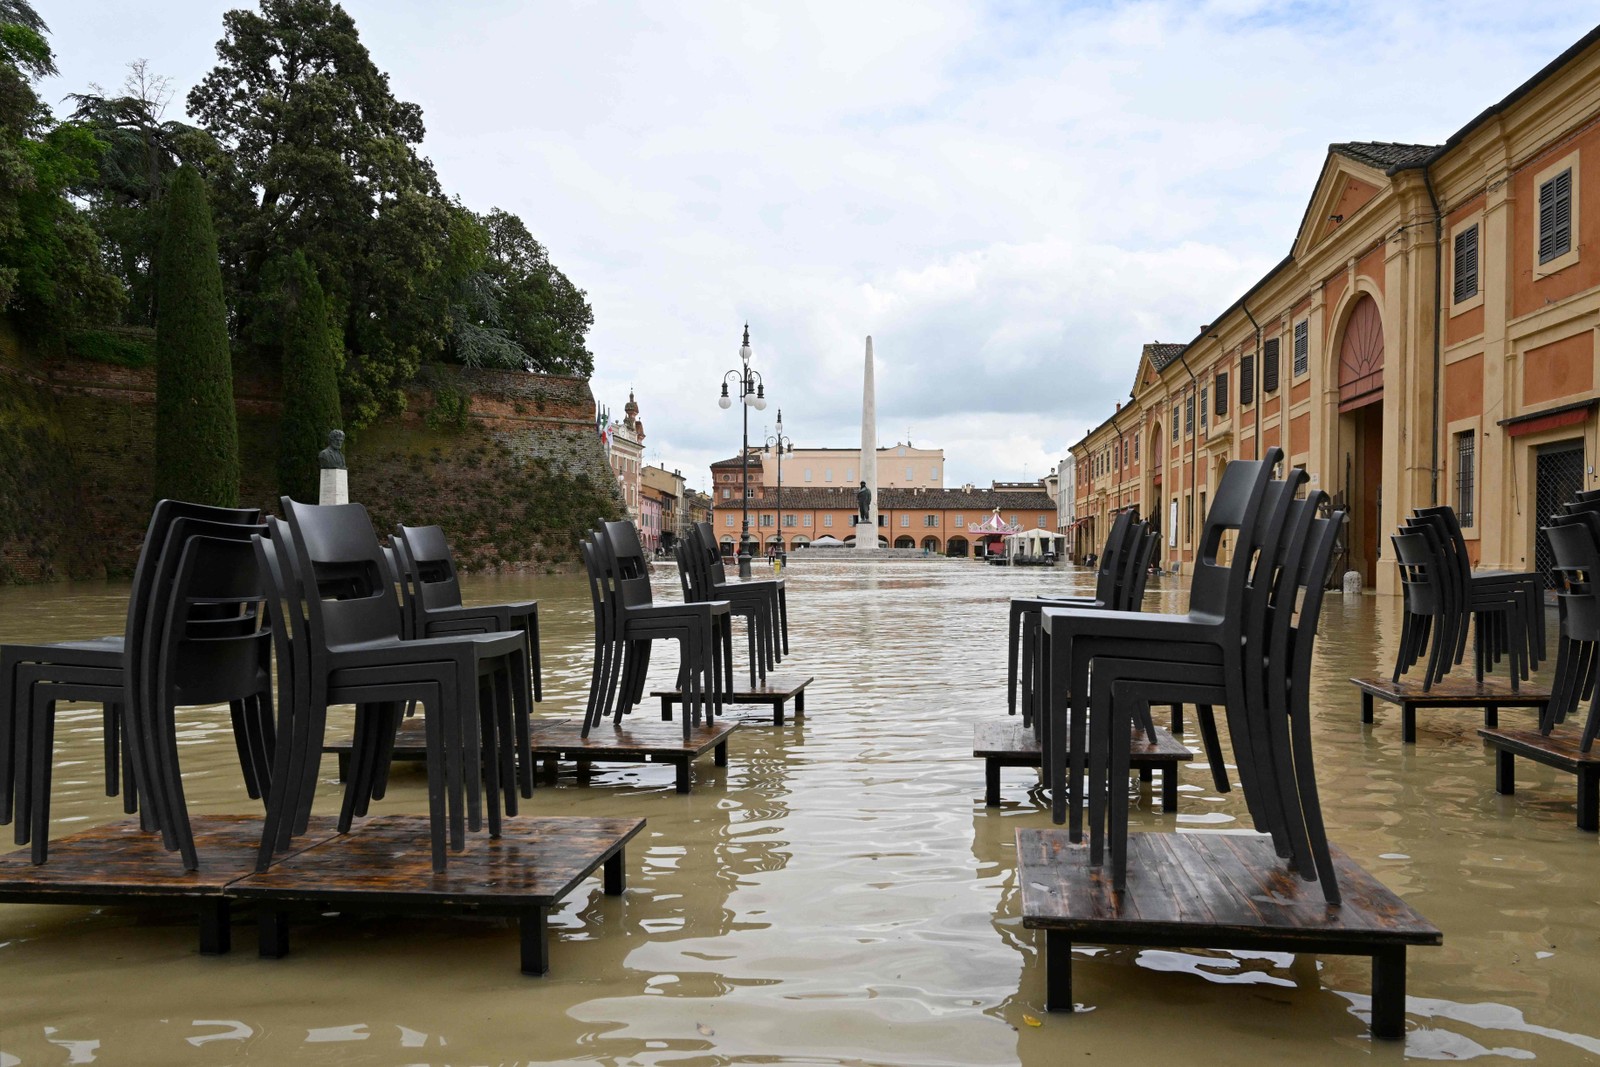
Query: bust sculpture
<point x="332" y="457"/>
<point x="863" y="503"/>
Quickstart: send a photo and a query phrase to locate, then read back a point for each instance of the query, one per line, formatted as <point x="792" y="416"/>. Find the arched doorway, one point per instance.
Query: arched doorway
<point x="958" y="547"/>
<point x="1359" y="474"/>
<point x="930" y="544"/>
<point x="727" y="544"/>
<point x="904" y="541"/>
<point x="802" y="541"/>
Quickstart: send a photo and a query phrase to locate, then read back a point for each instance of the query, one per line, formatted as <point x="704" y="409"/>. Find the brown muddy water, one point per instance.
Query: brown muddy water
<point x="838" y="894"/>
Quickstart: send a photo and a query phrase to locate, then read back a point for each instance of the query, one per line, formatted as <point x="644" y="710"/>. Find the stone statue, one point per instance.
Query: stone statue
<point x="863" y="503"/>
<point x="332" y="457"/>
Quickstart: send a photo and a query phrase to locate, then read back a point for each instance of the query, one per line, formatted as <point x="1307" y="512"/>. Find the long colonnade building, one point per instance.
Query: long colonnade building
<point x="1430" y="338"/>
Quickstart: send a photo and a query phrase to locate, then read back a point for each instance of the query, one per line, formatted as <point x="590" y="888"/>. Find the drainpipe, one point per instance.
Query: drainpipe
<point x="1194" y="440"/>
<point x="1438" y="311"/>
<point x="1120" y="446"/>
<point x="1261" y="397"/>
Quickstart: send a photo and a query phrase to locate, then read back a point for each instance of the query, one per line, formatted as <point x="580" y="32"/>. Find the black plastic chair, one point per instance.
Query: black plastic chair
<point x="1575" y="550"/>
<point x="342" y="607"/>
<point x="754" y="602"/>
<point x="1424" y="621"/>
<point x="775" y="588"/>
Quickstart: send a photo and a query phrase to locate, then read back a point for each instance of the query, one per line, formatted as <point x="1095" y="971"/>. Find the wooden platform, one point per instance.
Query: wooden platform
<point x="776" y="691"/>
<point x="641" y="741"/>
<point x="383" y="864"/>
<point x="1007" y="743"/>
<point x="410" y="742"/>
<point x="1560" y="750"/>
<point x="1221" y="891"/>
<point x="1491" y="695"/>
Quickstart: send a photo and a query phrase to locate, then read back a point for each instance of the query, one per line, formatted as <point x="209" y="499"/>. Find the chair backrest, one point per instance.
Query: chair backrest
<point x="632" y="571"/>
<point x="342" y="575"/>
<point x="432" y="567"/>
<point x="214" y="645"/>
<point x="1448" y="527"/>
<point x="1576" y="574"/>
<point x="1217" y="589"/>
<point x="1419" y="567"/>
<point x="715" y="571"/>
<point x="1110" y="568"/>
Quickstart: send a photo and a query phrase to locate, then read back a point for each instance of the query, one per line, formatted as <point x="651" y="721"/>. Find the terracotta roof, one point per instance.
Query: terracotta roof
<point x="1162" y="354"/>
<point x="974" y="500"/>
<point x="737" y="461"/>
<point x="1384" y="154"/>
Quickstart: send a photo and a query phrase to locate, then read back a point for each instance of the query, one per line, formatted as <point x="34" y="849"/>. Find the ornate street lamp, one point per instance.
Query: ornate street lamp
<point x="753" y="394"/>
<point x="783" y="444"/>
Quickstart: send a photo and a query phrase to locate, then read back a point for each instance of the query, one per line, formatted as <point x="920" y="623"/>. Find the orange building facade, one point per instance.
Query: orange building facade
<point x="1430" y="338"/>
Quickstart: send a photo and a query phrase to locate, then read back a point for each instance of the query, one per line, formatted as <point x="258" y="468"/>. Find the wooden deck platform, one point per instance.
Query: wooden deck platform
<point x="410" y="742"/>
<point x="640" y="741"/>
<point x="1221" y="891"/>
<point x="383" y="864"/>
<point x="1491" y="695"/>
<point x="1560" y="750"/>
<point x="776" y="692"/>
<point x="1007" y="743"/>
<point x="122" y="865"/>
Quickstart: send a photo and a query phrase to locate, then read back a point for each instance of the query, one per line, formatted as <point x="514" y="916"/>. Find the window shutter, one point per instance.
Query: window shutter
<point x="1466" y="265"/>
<point x="1174" y="422"/>
<point x="1203" y="399"/>
<point x="1302" y="347"/>
<point x="1269" y="366"/>
<point x="1247" y="379"/>
<point x="1188" y="414"/>
<point x="1555" y="217"/>
<point x="1222" y="393"/>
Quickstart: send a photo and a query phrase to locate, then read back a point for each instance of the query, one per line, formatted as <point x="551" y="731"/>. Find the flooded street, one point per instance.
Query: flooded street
<point x="839" y="893"/>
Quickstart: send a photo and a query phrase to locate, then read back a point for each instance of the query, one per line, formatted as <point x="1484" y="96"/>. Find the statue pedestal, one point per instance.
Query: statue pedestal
<point x="335" y="487"/>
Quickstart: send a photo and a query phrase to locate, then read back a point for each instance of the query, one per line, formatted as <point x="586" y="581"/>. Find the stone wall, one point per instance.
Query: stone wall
<point x="509" y="463"/>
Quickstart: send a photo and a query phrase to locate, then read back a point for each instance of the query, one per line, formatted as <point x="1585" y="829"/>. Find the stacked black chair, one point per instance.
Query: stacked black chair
<point x="628" y="621"/>
<point x="774" y="589"/>
<point x="335" y="605"/>
<point x="755" y="602"/>
<point x="1208" y="639"/>
<point x="1574" y="541"/>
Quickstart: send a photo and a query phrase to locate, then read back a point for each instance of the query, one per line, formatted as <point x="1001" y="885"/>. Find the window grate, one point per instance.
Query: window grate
<point x="1555" y="216"/>
<point x="1466" y="471"/>
<point x="1465" y="286"/>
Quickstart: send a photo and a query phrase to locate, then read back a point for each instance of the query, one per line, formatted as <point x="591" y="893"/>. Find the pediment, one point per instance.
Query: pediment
<point x="1344" y="188"/>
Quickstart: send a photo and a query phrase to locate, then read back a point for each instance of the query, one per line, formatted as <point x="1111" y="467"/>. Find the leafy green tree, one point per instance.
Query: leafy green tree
<point x="197" y="438"/>
<point x="543" y="312"/>
<point x="324" y="160"/>
<point x="50" y="271"/>
<point x="310" y="375"/>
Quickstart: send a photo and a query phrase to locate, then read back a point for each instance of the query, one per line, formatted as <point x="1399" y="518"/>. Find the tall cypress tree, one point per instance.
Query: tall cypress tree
<point x="310" y="376"/>
<point x="197" y="435"/>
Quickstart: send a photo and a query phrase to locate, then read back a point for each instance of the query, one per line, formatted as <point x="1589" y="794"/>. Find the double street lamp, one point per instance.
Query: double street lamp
<point x="782" y="444"/>
<point x="753" y="394"/>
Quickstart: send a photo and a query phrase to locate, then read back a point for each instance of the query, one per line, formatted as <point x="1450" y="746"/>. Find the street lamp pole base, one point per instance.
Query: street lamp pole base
<point x="744" y="565"/>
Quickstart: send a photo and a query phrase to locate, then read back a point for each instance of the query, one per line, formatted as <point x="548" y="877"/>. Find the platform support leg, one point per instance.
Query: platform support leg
<point x="683" y="775"/>
<point x="666" y="709"/>
<point x="216" y="926"/>
<point x="777" y="712"/>
<point x="719" y="755"/>
<point x="1169" y="788"/>
<point x="616" y="877"/>
<point x="1389" y="993"/>
<point x="1057" y="970"/>
<point x="1366" y="707"/>
<point x="1505" y="775"/>
<point x="1408" y="723"/>
<point x="585" y="771"/>
<point x="800" y="704"/>
<point x="991" y="783"/>
<point x="535" y="942"/>
<point x="1491" y="715"/>
<point x="1588" y="800"/>
<point x="272" y="933"/>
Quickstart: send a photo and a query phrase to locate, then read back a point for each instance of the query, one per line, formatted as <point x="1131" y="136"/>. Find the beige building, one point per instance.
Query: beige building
<point x="1429" y="338"/>
<point x="900" y="466"/>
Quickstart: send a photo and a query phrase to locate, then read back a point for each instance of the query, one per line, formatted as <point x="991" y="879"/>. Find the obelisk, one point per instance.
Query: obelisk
<point x="867" y="539"/>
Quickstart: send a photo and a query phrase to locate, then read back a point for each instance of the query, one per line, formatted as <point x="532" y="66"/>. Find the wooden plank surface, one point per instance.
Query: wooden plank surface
<point x="119" y="860"/>
<point x="1205" y="890"/>
<point x="1562" y="749"/>
<point x="639" y="739"/>
<point x="1009" y="739"/>
<point x="411" y="743"/>
<point x="1455" y="691"/>
<point x="776" y="687"/>
<point x="385" y="860"/>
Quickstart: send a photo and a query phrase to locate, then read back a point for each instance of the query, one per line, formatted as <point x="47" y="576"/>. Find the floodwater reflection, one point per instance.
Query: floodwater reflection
<point x="838" y="893"/>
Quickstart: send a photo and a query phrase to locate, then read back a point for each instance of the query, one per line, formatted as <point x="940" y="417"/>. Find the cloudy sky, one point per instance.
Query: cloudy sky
<point x="1010" y="198"/>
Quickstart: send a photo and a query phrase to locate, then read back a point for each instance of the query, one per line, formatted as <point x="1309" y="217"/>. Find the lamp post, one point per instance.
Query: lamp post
<point x="753" y="394"/>
<point x="783" y="444"/>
